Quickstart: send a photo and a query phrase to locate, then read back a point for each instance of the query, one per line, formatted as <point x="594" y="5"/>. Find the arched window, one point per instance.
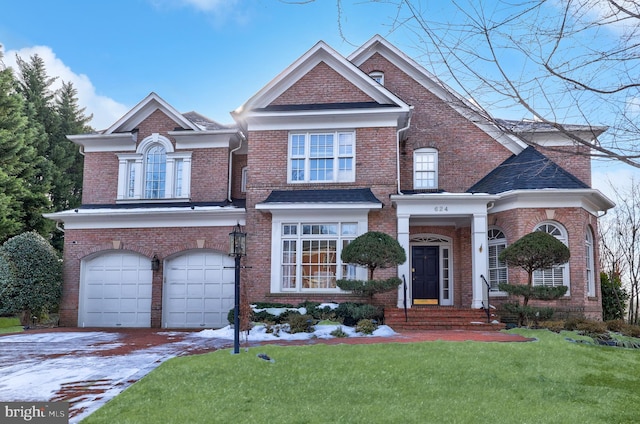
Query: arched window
<point x="154" y="171"/>
<point x="425" y="169"/>
<point x="497" y="269"/>
<point x="590" y="263"/>
<point x="558" y="275"/>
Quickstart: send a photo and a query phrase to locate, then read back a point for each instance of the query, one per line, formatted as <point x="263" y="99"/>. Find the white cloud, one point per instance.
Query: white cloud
<point x="105" y="110"/>
<point x="619" y="178"/>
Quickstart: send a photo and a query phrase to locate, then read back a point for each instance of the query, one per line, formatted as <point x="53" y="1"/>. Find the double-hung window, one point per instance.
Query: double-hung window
<point x="425" y="169"/>
<point x="155" y="171"/>
<point x="310" y="255"/>
<point x="316" y="157"/>
<point x="590" y="263"/>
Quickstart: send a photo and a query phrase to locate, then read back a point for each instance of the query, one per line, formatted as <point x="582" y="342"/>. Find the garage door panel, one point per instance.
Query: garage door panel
<point x="194" y="288"/>
<point x="116" y="290"/>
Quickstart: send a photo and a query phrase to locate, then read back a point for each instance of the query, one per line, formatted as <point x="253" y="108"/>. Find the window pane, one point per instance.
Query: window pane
<point x="178" y="182"/>
<point x="297" y="145"/>
<point x="345" y="141"/>
<point x="297" y="170"/>
<point x="319" y="264"/>
<point x="288" y="264"/>
<point x="155" y="173"/>
<point x="321" y="169"/>
<point x="321" y="146"/>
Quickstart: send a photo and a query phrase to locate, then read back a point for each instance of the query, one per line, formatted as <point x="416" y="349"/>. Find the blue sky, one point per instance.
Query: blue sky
<point x="203" y="55"/>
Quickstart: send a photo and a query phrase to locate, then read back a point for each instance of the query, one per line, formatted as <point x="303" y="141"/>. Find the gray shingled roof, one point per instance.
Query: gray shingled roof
<point x="206" y="123"/>
<point x="356" y="195"/>
<point x="529" y="170"/>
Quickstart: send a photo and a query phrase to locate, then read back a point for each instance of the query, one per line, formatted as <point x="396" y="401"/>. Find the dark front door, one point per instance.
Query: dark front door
<point x="426" y="274"/>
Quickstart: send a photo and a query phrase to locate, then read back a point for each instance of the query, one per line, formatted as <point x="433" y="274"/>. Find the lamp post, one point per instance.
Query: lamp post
<point x="237" y="249"/>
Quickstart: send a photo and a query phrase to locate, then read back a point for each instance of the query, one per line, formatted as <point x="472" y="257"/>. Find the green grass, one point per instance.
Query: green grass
<point x="548" y="381"/>
<point x="10" y="325"/>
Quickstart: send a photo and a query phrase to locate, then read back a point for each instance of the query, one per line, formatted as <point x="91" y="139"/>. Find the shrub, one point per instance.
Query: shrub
<point x="339" y="332"/>
<point x="351" y="313"/>
<point x="572" y="323"/>
<point x="300" y="323"/>
<point x="555" y="326"/>
<point x="529" y="315"/>
<point x="366" y="326"/>
<point x="631" y="330"/>
<point x="615" y="325"/>
<point x="30" y="276"/>
<point x="589" y="328"/>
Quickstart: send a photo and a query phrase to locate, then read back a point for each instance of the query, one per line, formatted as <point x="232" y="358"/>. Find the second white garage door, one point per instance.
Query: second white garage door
<point x="198" y="290"/>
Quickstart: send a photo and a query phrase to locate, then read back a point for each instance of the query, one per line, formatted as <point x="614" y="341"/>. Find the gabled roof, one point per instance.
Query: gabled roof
<point x="378" y="44"/>
<point x="530" y="170"/>
<point x="320" y="53"/>
<point x="142" y="110"/>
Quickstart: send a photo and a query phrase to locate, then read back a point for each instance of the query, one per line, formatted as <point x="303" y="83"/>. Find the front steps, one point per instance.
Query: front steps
<point x="440" y="318"/>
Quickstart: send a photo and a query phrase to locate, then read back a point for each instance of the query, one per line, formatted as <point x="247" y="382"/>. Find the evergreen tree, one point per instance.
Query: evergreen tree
<point x="16" y="158"/>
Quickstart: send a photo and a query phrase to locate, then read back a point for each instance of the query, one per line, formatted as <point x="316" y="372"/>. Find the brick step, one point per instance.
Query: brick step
<point x="440" y="318"/>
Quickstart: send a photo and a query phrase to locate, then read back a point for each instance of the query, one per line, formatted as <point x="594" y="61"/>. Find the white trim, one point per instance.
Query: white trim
<point x="146" y="107"/>
<point x="443" y="242"/>
<point x="425" y="151"/>
<point x="95" y="143"/>
<point x="161" y="217"/>
<point x="279" y="218"/>
<point x="591" y="200"/>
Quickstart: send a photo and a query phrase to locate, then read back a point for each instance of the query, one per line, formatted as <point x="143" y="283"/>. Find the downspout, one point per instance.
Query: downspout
<point x="242" y="137"/>
<point x="398" y="146"/>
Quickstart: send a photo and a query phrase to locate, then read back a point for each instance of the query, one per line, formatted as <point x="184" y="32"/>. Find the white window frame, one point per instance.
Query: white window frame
<point x="336" y="154"/>
<point x="418" y="154"/>
<point x="243" y="181"/>
<point x="499" y="243"/>
<point x="590" y="263"/>
<point x="131" y="172"/>
<point x="377" y="76"/>
<point x="560" y="233"/>
<point x="307" y="217"/>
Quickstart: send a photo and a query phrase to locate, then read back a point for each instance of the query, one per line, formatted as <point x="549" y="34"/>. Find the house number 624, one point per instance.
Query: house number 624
<point x="441" y="208"/>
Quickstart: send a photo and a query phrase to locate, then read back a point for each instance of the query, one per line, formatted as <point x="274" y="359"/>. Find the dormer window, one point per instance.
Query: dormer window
<point x="155" y="171"/>
<point x="378" y="76"/>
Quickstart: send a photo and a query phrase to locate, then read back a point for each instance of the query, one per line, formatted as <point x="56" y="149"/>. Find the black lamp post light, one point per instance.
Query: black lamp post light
<point x="237" y="249"/>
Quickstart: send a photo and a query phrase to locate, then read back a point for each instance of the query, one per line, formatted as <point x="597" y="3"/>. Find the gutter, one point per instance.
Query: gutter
<point x="398" y="146"/>
<point x="242" y="137"/>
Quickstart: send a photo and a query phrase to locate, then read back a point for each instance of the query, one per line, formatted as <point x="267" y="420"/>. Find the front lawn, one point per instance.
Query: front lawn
<point x="551" y="380"/>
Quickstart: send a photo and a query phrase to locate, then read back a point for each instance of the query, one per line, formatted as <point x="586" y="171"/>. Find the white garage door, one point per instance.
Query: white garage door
<point x="199" y="290"/>
<point x="116" y="291"/>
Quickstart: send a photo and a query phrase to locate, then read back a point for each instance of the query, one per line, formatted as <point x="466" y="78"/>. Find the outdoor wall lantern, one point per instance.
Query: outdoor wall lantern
<point x="237" y="249"/>
<point x="155" y="263"/>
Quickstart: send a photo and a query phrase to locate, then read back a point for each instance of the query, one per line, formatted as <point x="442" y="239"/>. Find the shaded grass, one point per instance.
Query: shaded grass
<point x="10" y="325"/>
<point x="550" y="381"/>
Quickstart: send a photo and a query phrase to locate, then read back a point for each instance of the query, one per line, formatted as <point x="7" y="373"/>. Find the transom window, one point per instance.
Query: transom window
<point x="311" y="255"/>
<point x="557" y="275"/>
<point x="497" y="269"/>
<point x="425" y="169"/>
<point x="321" y="157"/>
<point x="155" y="171"/>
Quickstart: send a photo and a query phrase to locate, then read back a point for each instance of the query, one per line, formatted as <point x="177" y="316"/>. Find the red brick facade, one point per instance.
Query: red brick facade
<point x="466" y="153"/>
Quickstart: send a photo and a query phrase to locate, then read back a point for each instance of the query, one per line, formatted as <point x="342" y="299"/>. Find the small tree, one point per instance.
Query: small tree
<point x="372" y="250"/>
<point x="614" y="297"/>
<point x="30" y="276"/>
<point x="534" y="251"/>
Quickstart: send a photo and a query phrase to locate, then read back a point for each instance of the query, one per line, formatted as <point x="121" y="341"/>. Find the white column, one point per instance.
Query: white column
<point x="404" y="269"/>
<point x="479" y="257"/>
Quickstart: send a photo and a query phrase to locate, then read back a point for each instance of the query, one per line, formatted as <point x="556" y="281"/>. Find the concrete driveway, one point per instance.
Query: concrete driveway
<point x="87" y="367"/>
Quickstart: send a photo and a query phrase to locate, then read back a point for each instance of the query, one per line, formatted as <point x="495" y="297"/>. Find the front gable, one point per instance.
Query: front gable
<point x="321" y="89"/>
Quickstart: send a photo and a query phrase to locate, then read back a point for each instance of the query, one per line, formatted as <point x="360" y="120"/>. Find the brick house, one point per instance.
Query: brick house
<point x="331" y="148"/>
